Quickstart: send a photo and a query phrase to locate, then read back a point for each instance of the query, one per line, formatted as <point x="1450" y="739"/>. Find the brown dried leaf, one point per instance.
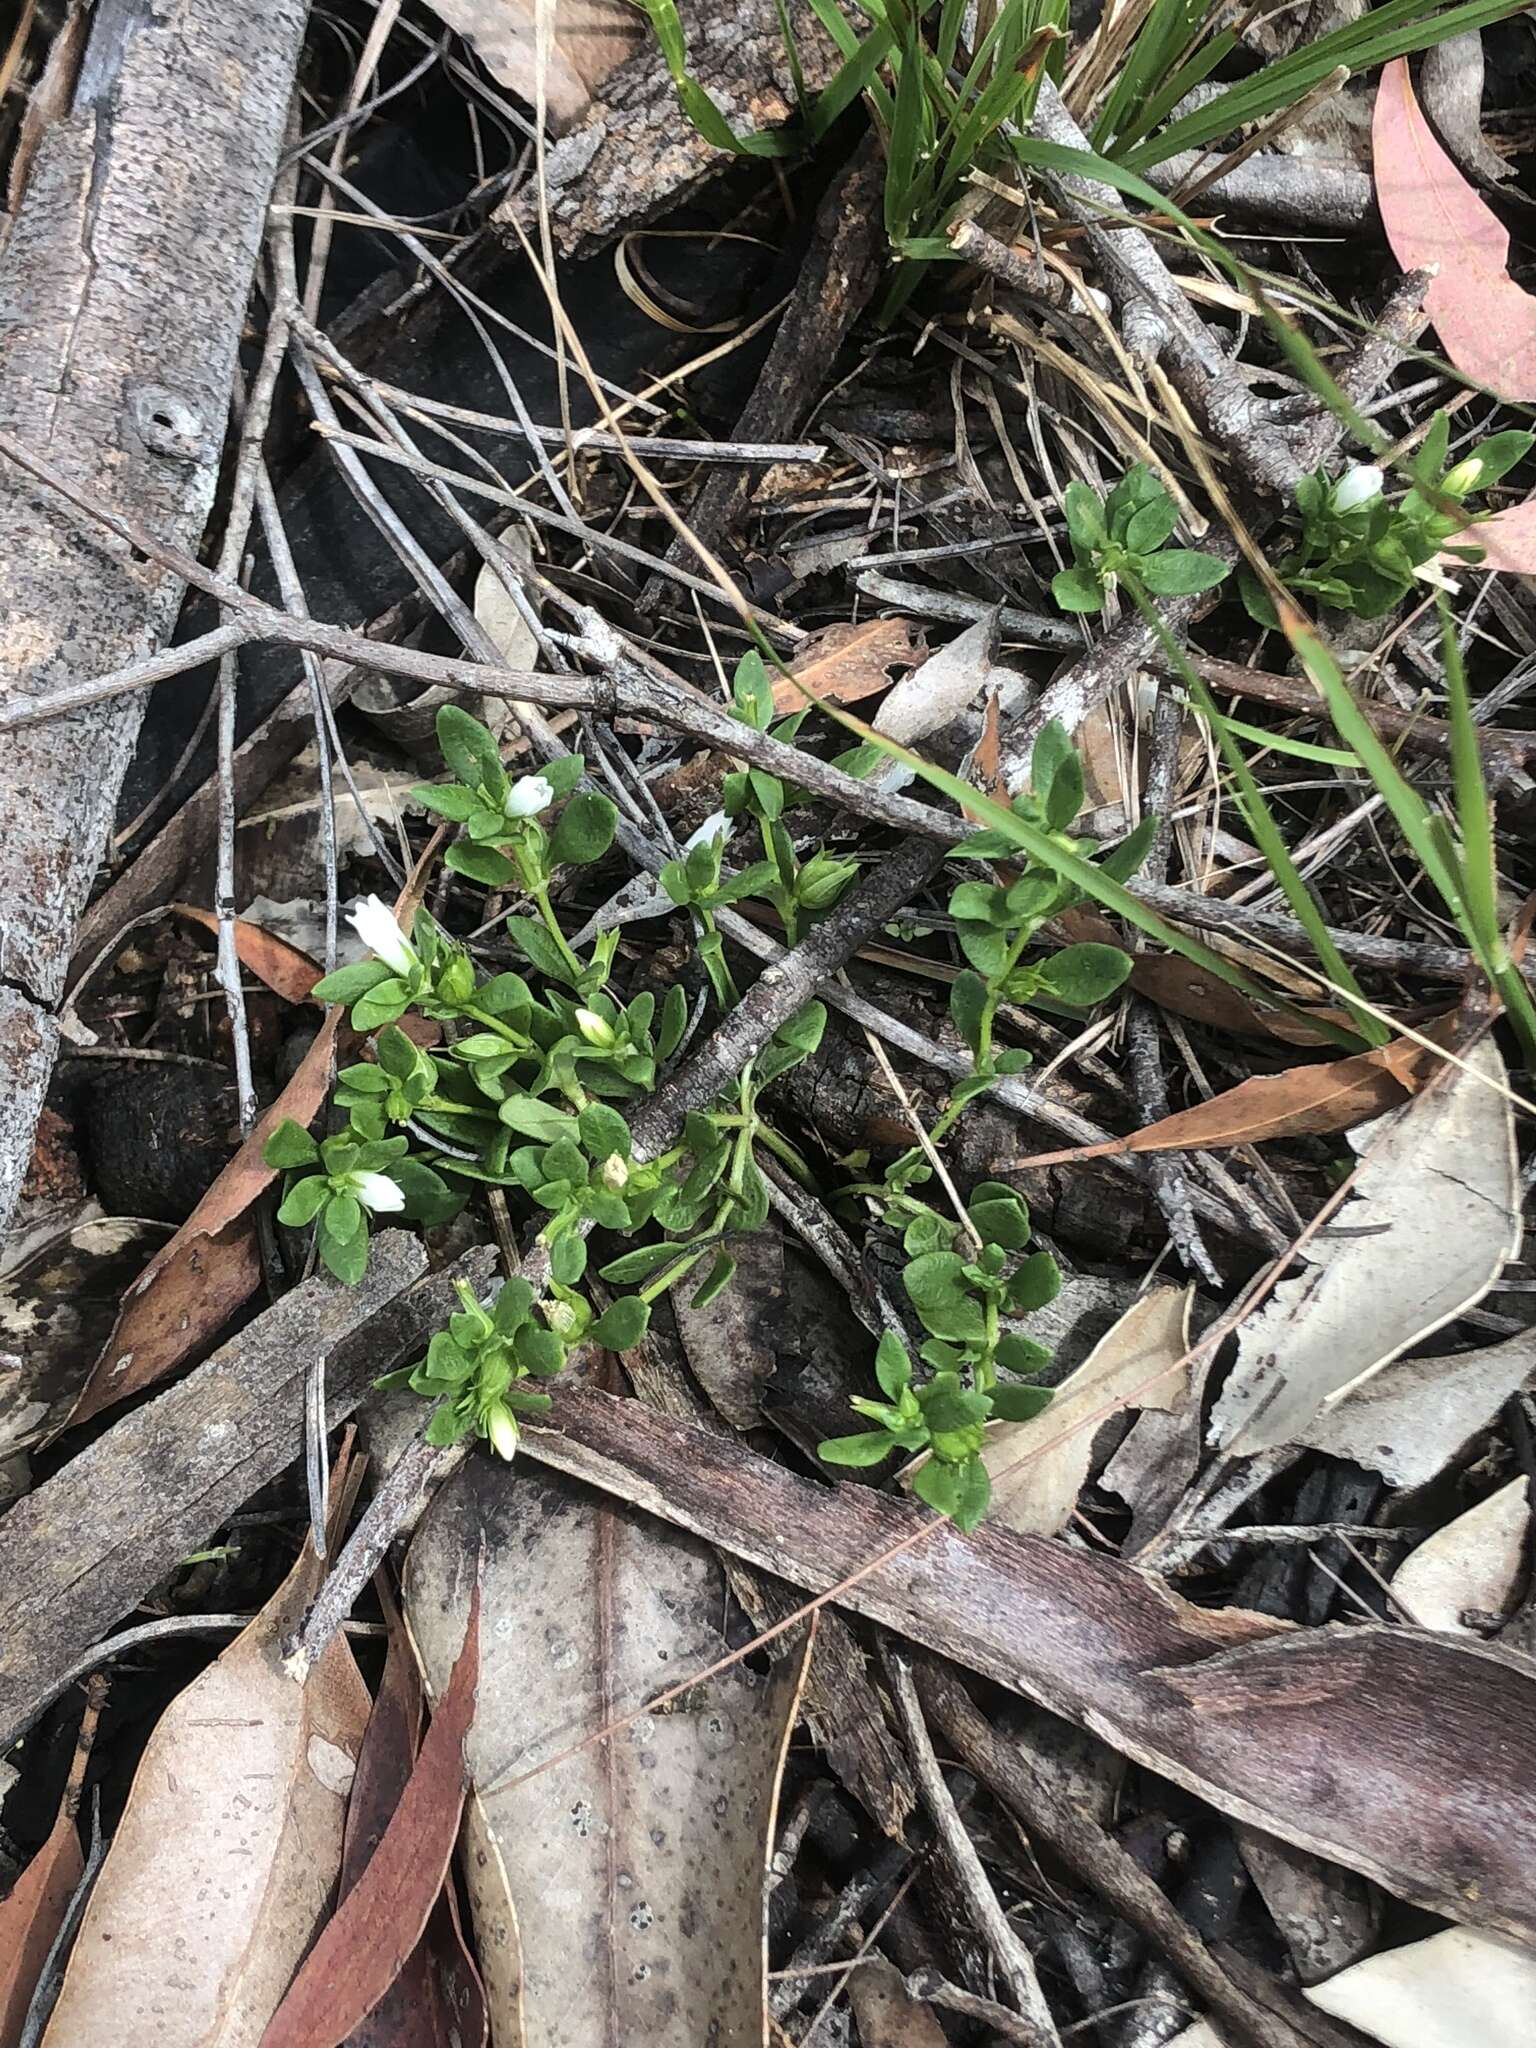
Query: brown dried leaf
<point x="285" y="970"/>
<point x="228" y="1851"/>
<point x="592" y="38"/>
<point x="617" y="1890"/>
<point x="1299" y="1102"/>
<point x="374" y="1931"/>
<point x="845" y="662"/>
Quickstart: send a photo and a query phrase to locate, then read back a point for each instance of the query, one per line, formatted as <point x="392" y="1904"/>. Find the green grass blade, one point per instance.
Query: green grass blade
<point x="1474" y="812"/>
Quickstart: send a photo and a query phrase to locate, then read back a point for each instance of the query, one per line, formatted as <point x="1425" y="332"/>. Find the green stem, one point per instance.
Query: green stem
<point x="540" y="896"/>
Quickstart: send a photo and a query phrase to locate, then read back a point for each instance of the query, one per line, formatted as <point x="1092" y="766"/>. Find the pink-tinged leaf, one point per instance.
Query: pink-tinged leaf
<point x="1508" y="541"/>
<point x="1435" y="220"/>
<point x="30" y="1916"/>
<point x="365" y="1946"/>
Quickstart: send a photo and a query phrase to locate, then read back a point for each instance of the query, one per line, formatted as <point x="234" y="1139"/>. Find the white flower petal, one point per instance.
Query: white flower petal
<point x="501" y="1429"/>
<point x="378" y="1194"/>
<point x="374" y="923"/>
<point x="714" y="823"/>
<point x="1431" y="572"/>
<point x="528" y="796"/>
<point x="1357" y="486"/>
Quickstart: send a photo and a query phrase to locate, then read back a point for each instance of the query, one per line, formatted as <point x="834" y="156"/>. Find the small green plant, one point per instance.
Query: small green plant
<point x="1362" y="550"/>
<point x="1125" y="535"/>
<point x="965" y="1276"/>
<point x="475" y="1369"/>
<point x="339" y="1183"/>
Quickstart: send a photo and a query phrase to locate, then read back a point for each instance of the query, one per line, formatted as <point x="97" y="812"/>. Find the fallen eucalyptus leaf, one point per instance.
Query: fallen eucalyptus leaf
<point x="617" y="1891"/>
<point x="1458" y="1989"/>
<point x="1472" y="1565"/>
<point x="1433" y="1217"/>
<point x="224" y="1862"/>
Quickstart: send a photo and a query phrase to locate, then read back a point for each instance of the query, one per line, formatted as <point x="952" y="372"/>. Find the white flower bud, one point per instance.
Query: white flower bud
<point x="714" y="824"/>
<point x="1458" y="481"/>
<point x="560" y="1317"/>
<point x="374" y="923"/>
<point x="595" y="1030"/>
<point x="378" y="1194"/>
<point x="614" y="1173"/>
<point x="501" y="1430"/>
<point x="1357" y="486"/>
<point x="527" y="797"/>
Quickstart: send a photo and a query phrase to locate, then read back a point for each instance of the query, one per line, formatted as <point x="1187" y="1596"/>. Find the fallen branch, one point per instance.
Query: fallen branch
<point x="1383" y="1748"/>
<point x="86" y="1546"/>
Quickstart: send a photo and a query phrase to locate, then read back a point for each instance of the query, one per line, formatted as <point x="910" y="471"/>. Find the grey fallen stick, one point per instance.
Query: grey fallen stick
<point x="85" y="1548"/>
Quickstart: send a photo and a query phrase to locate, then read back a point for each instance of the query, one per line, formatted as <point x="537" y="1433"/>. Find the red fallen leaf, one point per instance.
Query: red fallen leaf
<point x="365" y="1945"/>
<point x="285" y="970"/>
<point x="1507" y="539"/>
<point x="32" y="1912"/>
<point x="847" y="662"/>
<point x="1435" y="219"/>
<point x="437" y="2001"/>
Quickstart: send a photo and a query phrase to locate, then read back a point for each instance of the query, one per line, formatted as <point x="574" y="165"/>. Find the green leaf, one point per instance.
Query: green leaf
<point x="290" y="1145"/>
<point x="752" y="692"/>
<point x="1085" y="517"/>
<point x="342" y="1219"/>
<point x="1127" y="857"/>
<point x="1077" y="590"/>
<point x="603" y="1132"/>
<point x="1085" y="974"/>
<point x="980" y="903"/>
<point x="304" y="1201"/>
<point x="1020" y="1354"/>
<point x="348" y="983"/>
<point x="428" y="1197"/>
<point x="1020" y="1404"/>
<point x="959" y="1491"/>
<point x="938" y="1292"/>
<point x="395" y="1052"/>
<point x="893" y="1368"/>
<point x="568" y="1259"/>
<point x="448" y="799"/>
<point x="718" y="1278"/>
<point x="1000" y="1219"/>
<point x="967" y="1005"/>
<point x="621" y="1325"/>
<point x="1035" y="1285"/>
<point x="867" y="1448"/>
<point x="512" y="1305"/>
<point x="533" y="1118"/>
<point x="481" y="864"/>
<point x="641" y="1263"/>
<point x="674" y="879"/>
<point x="347" y="1257"/>
<point x="984" y="946"/>
<point x="538" y="1350"/>
<point x="382" y="1004"/>
<point x="536" y="945"/>
<point x="584" y="830"/>
<point x="1150" y="525"/>
<point x="469" y="750"/>
<point x="449" y="1424"/>
<point x="927" y="1232"/>
<point x="1180" y="572"/>
<point x="674" y="1021"/>
<point x="563" y="773"/>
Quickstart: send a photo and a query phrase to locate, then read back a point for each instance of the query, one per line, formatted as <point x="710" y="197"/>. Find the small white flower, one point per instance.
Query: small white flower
<point x="377" y="1192"/>
<point x="559" y="1315"/>
<point x="527" y="797"/>
<point x="614" y="1173"/>
<point x="501" y="1428"/>
<point x="374" y="923"/>
<point x="713" y="824"/>
<point x="1357" y="486"/>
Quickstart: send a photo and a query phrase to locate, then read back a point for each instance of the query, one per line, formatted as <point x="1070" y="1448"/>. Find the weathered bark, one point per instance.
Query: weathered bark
<point x="122" y="291"/>
<point x="88" y="1544"/>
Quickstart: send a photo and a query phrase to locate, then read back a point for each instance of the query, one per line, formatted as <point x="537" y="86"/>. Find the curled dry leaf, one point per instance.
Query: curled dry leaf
<point x="1039" y="1467"/>
<point x="1436" y="221"/>
<point x="1419" y="1415"/>
<point x="285" y="970"/>
<point x="1433" y="1216"/>
<point x="845" y="663"/>
<point x="225" y="1860"/>
<point x="56" y="1309"/>
<point x="1458" y="1989"/>
<point x="365" y="1945"/>
<point x="1300" y="1102"/>
<point x="1473" y="1565"/>
<point x="947" y="684"/>
<point x="617" y="1891"/>
<point x="591" y="39"/>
